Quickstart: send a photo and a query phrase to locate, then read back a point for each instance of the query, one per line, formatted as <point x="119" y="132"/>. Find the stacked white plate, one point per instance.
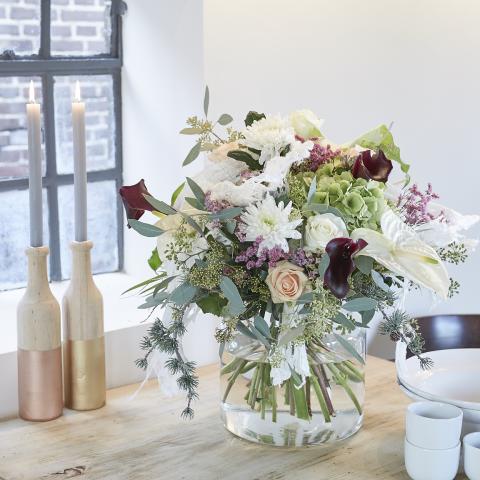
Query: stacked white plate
<point x="454" y="378"/>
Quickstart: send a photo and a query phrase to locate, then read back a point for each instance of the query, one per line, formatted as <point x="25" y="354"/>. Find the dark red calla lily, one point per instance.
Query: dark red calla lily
<point x="134" y="201"/>
<point x="340" y="251"/>
<point x="372" y="167"/>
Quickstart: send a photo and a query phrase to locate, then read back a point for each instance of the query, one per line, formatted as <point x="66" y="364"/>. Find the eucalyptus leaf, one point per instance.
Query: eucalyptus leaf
<point x="343" y="320"/>
<point x="193" y="154"/>
<point x="227" y="213"/>
<point x="262" y="326"/>
<point x="191" y="131"/>
<point x="244" y="330"/>
<point x="364" y="263"/>
<point x="183" y="294"/>
<point x="212" y="303"/>
<point x="194" y="203"/>
<point x="322" y="208"/>
<point x="160" y="206"/>
<point x="231" y="225"/>
<point x="367" y="316"/>
<point x="235" y="302"/>
<point x="197" y="191"/>
<point x="206" y="100"/>
<point x="192" y="222"/>
<point x="260" y="336"/>
<point x="306" y="297"/>
<point x="154" y="301"/>
<point x="145" y="229"/>
<point x="360" y="304"/>
<point x="144" y="283"/>
<point x="225" y="119"/>
<point x="349" y="348"/>
<point x="379" y="281"/>
<point x="253" y="117"/>
<point x="323" y="265"/>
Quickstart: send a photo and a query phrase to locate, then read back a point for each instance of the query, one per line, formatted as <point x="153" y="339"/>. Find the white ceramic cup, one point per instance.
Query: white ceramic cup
<point x="471" y="455"/>
<point x="433" y="425"/>
<point x="426" y="464"/>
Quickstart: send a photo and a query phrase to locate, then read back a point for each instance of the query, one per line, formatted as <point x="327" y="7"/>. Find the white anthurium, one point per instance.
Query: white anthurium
<point x="400" y="249"/>
<point x="306" y="123"/>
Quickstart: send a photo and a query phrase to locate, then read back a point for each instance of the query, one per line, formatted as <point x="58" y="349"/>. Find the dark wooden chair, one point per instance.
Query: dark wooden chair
<point x="442" y="332"/>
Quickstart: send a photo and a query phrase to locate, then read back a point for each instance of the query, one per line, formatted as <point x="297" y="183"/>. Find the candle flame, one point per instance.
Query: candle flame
<point x="77" y="96"/>
<point x="31" y="94"/>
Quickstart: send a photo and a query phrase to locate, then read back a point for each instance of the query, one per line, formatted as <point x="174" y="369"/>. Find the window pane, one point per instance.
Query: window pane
<point x="97" y="93"/>
<point x="13" y="125"/>
<point x="80" y="27"/>
<point x="20" y="26"/>
<point x="15" y="237"/>
<point x="102" y="226"/>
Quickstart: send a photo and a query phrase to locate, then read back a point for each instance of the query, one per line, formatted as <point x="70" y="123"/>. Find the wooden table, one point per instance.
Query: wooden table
<point x="144" y="438"/>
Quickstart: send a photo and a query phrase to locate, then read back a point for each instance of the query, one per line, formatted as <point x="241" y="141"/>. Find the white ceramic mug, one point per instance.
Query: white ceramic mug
<point x="471" y="455"/>
<point x="426" y="464"/>
<point x="433" y="425"/>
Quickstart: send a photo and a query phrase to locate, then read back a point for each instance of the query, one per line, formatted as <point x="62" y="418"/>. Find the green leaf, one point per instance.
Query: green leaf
<point x="290" y="334"/>
<point x="160" y="206"/>
<point x="312" y="189"/>
<point x="154" y="260"/>
<point x="183" y="294"/>
<point x="193" y="154"/>
<point x="262" y="326"/>
<point x="176" y="193"/>
<point x="154" y="301"/>
<point x="343" y="320"/>
<point x="364" y="264"/>
<point x="194" y="203"/>
<point x="145" y="229"/>
<point x="197" y="191"/>
<point x="192" y="222"/>
<point x="144" y="283"/>
<point x="212" y="303"/>
<point x="378" y="279"/>
<point x="259" y="336"/>
<point x="306" y="297"/>
<point x="381" y="138"/>
<point x="253" y="117"/>
<point x="322" y="208"/>
<point x="235" y="302"/>
<point x="227" y="213"/>
<point x="244" y="330"/>
<point x="206" y="100"/>
<point x="323" y="265"/>
<point x="243" y="156"/>
<point x="349" y="348"/>
<point x="231" y="225"/>
<point x="360" y="304"/>
<point x="191" y="131"/>
<point x="367" y="316"/>
<point x="225" y="119"/>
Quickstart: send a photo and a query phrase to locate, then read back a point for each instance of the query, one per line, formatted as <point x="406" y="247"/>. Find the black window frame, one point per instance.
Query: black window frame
<point x="47" y="66"/>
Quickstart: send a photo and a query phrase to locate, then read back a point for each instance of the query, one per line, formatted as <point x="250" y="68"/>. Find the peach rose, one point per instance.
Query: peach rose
<point x="286" y="282"/>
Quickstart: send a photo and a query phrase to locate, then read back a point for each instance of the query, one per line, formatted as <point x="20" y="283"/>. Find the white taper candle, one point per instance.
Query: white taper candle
<point x="35" y="170"/>
<point x="79" y="166"/>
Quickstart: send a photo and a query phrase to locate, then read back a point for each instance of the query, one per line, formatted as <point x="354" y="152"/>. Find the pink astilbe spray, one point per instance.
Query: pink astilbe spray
<point x="320" y="155"/>
<point x="414" y="205"/>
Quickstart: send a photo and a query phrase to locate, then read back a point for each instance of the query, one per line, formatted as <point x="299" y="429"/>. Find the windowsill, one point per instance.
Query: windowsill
<point x="119" y="311"/>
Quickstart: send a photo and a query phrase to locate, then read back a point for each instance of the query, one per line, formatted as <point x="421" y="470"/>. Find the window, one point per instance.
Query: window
<point x="54" y="43"/>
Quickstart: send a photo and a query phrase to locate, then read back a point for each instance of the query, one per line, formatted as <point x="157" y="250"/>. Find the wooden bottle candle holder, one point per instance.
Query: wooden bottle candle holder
<point x="84" y="344"/>
<point x="40" y="392"/>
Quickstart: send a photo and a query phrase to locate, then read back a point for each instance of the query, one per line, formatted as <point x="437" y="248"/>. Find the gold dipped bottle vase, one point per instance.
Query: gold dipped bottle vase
<point x="83" y="335"/>
<point x="40" y="392"/>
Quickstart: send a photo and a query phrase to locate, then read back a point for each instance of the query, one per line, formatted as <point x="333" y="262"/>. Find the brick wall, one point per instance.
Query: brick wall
<point x="79" y="27"/>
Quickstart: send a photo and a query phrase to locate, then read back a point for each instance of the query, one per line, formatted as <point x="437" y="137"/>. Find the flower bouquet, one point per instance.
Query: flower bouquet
<point x="295" y="243"/>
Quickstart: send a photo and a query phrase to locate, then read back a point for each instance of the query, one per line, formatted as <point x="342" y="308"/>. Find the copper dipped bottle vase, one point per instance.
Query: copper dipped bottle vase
<point x="83" y="335"/>
<point x="40" y="392"/>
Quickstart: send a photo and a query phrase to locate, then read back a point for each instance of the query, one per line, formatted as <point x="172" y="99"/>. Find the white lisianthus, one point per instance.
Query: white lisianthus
<point x="270" y="221"/>
<point x="248" y="192"/>
<point x="306" y="124"/>
<point x="322" y="228"/>
<point x="270" y="135"/>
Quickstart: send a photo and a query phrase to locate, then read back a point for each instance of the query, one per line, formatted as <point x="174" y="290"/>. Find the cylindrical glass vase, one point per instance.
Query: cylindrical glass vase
<point x="324" y="407"/>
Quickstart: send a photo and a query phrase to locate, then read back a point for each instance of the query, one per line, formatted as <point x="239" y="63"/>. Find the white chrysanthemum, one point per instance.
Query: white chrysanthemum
<point x="241" y="195"/>
<point x="270" y="135"/>
<point x="271" y="222"/>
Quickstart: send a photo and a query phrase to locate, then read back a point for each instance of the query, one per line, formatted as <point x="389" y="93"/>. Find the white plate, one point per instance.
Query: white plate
<point x="454" y="377"/>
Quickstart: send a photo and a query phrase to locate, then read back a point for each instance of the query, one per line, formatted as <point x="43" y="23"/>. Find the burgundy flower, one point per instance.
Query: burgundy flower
<point x="372" y="167"/>
<point x="134" y="200"/>
<point x="340" y="251"/>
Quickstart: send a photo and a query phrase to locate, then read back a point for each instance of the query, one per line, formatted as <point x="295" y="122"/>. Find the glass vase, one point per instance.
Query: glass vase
<point x="322" y="408"/>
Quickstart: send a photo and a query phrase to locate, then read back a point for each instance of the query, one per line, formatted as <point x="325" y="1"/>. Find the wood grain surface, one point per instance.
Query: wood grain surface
<point x="144" y="438"/>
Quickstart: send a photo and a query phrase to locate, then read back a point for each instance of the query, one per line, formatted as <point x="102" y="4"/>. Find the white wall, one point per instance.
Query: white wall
<point x="163" y="84"/>
<point x="358" y="64"/>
